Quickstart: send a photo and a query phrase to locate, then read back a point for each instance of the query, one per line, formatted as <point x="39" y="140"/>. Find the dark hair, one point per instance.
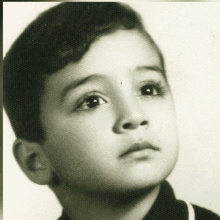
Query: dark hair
<point x="61" y="35"/>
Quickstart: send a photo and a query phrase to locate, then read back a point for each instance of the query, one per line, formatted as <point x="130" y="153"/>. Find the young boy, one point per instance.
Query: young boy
<point x="86" y="91"/>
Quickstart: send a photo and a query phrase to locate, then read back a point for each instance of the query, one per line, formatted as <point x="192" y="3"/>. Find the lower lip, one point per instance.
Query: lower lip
<point x="142" y="154"/>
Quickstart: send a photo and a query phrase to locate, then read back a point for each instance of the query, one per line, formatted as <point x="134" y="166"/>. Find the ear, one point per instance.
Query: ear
<point x="33" y="161"/>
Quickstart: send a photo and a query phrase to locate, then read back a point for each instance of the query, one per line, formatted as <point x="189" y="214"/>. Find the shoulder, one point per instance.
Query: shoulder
<point x="204" y="214"/>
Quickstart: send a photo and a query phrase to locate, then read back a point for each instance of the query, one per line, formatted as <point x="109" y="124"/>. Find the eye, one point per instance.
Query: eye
<point x="91" y="102"/>
<point x="150" y="90"/>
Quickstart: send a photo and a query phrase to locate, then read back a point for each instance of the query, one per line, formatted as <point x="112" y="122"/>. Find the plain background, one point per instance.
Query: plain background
<point x="189" y="36"/>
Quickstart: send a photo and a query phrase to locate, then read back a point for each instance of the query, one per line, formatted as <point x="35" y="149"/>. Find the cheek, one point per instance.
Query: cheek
<point x="82" y="146"/>
<point x="163" y="122"/>
<point x="164" y="133"/>
<point x="79" y="136"/>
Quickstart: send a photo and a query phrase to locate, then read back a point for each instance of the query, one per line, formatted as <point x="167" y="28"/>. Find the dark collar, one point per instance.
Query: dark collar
<point x="166" y="206"/>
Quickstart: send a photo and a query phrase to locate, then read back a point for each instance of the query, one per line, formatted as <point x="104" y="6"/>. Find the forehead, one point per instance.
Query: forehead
<point x="122" y="49"/>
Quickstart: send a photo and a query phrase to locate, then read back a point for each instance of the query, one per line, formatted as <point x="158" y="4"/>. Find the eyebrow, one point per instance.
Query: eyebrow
<point x="73" y="85"/>
<point x="153" y="68"/>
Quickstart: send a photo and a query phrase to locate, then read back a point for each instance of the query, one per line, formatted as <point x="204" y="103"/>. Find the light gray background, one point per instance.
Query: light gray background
<point x="189" y="36"/>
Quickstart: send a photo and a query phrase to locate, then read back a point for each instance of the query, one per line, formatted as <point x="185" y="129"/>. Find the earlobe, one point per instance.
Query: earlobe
<point x="33" y="161"/>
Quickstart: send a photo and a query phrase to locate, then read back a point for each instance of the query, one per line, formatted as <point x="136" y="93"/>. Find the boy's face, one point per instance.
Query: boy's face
<point x="109" y="119"/>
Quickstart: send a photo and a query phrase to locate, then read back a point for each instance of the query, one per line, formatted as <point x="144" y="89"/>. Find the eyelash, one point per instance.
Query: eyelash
<point x="155" y="89"/>
<point x="90" y="95"/>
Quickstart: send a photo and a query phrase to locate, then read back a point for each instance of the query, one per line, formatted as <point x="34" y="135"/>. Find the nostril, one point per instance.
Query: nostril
<point x="127" y="125"/>
<point x="143" y="123"/>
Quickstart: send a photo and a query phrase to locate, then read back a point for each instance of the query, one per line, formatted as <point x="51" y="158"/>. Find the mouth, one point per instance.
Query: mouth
<point x="138" y="147"/>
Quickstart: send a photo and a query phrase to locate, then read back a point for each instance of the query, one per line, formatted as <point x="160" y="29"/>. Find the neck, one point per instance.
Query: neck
<point x="91" y="206"/>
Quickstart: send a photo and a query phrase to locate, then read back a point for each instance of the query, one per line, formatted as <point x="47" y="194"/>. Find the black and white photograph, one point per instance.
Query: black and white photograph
<point x="111" y="110"/>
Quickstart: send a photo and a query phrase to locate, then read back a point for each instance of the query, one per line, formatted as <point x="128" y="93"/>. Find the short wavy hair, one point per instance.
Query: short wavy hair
<point x="58" y="36"/>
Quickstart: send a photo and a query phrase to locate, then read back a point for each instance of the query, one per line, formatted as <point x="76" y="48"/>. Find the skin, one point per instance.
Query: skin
<point x="122" y="98"/>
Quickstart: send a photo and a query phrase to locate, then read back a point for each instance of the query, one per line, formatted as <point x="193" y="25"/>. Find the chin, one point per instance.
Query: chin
<point x="151" y="179"/>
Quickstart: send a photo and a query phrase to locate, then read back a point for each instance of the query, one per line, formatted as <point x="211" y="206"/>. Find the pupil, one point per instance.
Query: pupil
<point x="147" y="90"/>
<point x="92" y="102"/>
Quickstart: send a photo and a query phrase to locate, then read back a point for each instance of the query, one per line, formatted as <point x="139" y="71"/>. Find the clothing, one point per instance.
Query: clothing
<point x="167" y="207"/>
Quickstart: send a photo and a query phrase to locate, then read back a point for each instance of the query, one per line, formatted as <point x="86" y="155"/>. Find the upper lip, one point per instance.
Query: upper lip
<point x="137" y="147"/>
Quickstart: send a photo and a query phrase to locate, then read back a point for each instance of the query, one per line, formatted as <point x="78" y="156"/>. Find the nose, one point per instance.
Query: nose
<point x="129" y="118"/>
